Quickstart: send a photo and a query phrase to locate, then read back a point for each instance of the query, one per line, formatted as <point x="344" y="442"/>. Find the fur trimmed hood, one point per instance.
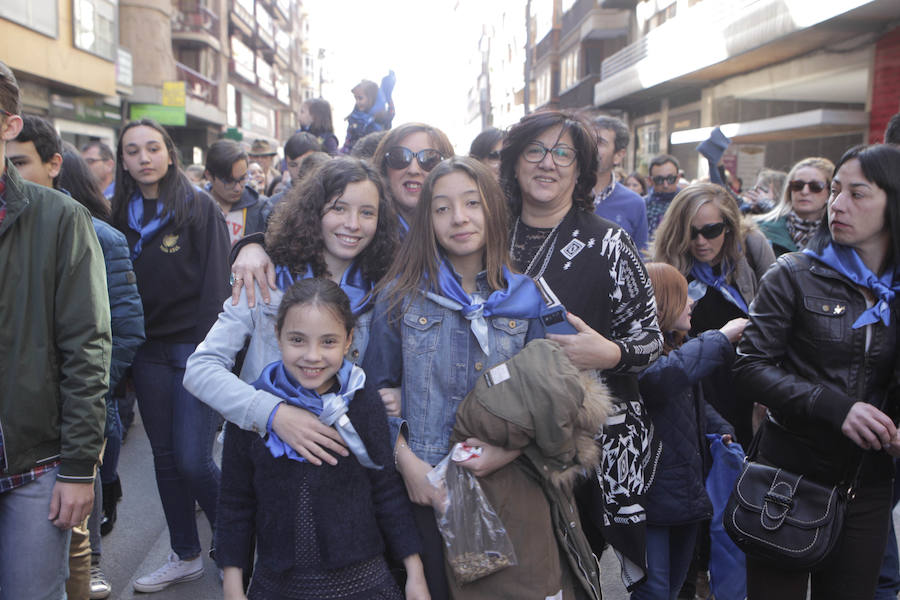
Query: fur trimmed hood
<point x="538" y="402"/>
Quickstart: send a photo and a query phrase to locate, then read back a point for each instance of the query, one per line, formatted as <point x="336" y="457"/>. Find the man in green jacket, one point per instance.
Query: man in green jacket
<point x="54" y="369"/>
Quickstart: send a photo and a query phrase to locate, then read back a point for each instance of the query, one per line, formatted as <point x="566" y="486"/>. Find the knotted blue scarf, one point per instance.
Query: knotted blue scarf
<point x="353" y="282"/>
<point x="703" y="272"/>
<point x="404" y="226"/>
<point x="330" y="408"/>
<point x="847" y="262"/>
<point x="136" y="218"/>
<point x="521" y="299"/>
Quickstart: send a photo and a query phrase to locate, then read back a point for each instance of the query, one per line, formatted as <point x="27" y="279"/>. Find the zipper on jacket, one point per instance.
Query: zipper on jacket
<point x="574" y="550"/>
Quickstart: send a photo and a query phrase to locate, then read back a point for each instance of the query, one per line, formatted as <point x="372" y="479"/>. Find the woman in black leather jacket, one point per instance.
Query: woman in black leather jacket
<point x="821" y="353"/>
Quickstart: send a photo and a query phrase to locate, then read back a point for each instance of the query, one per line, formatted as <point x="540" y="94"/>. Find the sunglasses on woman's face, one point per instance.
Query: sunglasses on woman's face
<point x="815" y="187"/>
<point x="710" y="231"/>
<point x="661" y="179"/>
<point x="399" y="157"/>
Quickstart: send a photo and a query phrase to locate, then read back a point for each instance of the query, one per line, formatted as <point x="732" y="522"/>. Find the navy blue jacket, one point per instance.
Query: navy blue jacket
<point x="671" y="391"/>
<point x="126" y="310"/>
<point x="355" y="509"/>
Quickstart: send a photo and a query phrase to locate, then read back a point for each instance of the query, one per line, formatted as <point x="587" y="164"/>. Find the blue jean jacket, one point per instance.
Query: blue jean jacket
<point x="431" y="353"/>
<point x="208" y="375"/>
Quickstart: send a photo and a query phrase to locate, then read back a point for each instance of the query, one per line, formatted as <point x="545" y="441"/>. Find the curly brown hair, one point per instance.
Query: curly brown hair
<point x="294" y="238"/>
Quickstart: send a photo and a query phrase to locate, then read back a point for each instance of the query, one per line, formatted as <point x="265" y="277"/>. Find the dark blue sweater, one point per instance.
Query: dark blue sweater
<point x="671" y="391"/>
<point x="356" y="509"/>
<point x="628" y="210"/>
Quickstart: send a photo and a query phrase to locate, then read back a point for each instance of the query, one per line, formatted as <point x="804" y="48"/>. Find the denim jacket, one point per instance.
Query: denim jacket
<point x="431" y="352"/>
<point x="208" y="374"/>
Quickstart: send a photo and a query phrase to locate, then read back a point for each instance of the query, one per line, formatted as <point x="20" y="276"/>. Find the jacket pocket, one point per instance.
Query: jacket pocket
<point x="823" y="318"/>
<point x="509" y="334"/>
<point x="421" y="332"/>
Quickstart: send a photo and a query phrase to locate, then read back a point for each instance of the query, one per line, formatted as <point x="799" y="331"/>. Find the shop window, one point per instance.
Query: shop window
<point x="40" y="15"/>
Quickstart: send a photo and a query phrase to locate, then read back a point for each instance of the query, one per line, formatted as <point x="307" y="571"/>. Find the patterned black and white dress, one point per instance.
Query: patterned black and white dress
<point x="592" y="265"/>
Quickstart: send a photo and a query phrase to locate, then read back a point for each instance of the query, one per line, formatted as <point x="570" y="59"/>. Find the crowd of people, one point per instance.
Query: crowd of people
<point x="567" y="333"/>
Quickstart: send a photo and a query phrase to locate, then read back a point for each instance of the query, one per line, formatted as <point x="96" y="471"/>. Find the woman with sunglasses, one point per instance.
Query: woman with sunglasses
<point x="548" y="170"/>
<point x="821" y="351"/>
<point x="723" y="257"/>
<point x="403" y="157"/>
<point x="801" y="207"/>
<point x="486" y="147"/>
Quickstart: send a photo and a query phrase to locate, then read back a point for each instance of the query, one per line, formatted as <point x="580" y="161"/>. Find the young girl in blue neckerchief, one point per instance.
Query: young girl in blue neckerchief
<point x="339" y="226"/>
<point x="320" y="532"/>
<point x="449" y="309"/>
<point x="179" y="248"/>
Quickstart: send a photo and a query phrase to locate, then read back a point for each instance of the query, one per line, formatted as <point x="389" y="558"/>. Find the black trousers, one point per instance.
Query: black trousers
<point x="850" y="572"/>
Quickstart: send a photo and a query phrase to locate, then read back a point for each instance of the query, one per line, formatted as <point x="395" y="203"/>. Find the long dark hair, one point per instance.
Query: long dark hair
<point x="175" y="190"/>
<point x="526" y="131"/>
<point x="320" y="111"/>
<point x="316" y="291"/>
<point x="419" y="256"/>
<point x="77" y="178"/>
<point x="294" y="237"/>
<point x="880" y="164"/>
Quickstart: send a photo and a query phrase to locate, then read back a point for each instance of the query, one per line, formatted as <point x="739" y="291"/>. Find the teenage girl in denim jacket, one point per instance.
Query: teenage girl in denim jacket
<point x="448" y="310"/>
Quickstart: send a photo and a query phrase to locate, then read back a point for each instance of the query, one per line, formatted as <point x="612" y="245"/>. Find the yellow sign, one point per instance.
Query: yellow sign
<point x="173" y="93"/>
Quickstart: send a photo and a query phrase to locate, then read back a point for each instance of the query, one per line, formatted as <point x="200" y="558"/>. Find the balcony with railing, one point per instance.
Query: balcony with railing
<point x="715" y="39"/>
<point x="193" y="23"/>
<point x="242" y="15"/>
<point x="196" y="85"/>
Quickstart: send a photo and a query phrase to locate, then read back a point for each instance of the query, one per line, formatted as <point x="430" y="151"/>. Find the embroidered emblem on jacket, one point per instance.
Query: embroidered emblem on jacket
<point x="170" y="244"/>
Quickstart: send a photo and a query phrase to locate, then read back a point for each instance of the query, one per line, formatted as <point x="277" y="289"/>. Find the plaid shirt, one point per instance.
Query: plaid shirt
<point x="11" y="482"/>
<point x="605" y="192"/>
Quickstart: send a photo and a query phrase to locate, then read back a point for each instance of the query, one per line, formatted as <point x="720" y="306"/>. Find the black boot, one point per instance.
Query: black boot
<point x="112" y="493"/>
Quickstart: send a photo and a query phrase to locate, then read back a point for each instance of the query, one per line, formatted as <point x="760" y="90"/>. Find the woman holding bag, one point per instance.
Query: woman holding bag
<point x="831" y="414"/>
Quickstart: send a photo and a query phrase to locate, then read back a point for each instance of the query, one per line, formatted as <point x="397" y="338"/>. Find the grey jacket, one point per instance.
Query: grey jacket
<point x="209" y="376"/>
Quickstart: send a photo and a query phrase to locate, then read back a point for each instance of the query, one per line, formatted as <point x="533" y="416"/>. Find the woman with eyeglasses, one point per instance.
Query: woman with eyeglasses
<point x="821" y="352"/>
<point x="801" y="206"/>
<point x="486" y="147"/>
<point x="723" y="257"/>
<point x="548" y="170"/>
<point x="179" y="248"/>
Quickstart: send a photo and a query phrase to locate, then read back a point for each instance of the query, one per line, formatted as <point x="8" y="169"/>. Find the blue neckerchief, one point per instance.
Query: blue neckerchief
<point x="847" y="262"/>
<point x="703" y="273"/>
<point x="521" y="299"/>
<point x="353" y="282"/>
<point x="331" y="408"/>
<point x="136" y="218"/>
<point x="404" y="226"/>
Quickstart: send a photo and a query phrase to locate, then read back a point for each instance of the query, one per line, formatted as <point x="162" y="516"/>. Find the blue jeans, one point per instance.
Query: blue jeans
<point x="34" y="555"/>
<point x="181" y="430"/>
<point x="669" y="554"/>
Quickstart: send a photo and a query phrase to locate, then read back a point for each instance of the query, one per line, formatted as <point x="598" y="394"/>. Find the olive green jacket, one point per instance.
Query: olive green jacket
<point x="54" y="332"/>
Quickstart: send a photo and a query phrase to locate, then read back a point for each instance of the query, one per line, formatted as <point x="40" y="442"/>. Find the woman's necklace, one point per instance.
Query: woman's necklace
<point x="549" y="240"/>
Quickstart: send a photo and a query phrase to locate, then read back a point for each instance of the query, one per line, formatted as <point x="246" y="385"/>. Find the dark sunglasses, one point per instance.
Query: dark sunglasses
<point x="399" y="157"/>
<point x="229" y="182"/>
<point x="710" y="231"/>
<point x="661" y="179"/>
<point x="815" y="187"/>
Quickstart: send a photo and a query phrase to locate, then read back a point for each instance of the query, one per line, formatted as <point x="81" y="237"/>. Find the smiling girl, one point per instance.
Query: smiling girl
<point x="320" y="532"/>
<point x="179" y="247"/>
<point x="338" y="226"/>
<point x="449" y="309"/>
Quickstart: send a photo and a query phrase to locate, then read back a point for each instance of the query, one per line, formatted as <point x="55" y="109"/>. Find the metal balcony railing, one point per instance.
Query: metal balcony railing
<point x="196" y="20"/>
<point x="196" y="85"/>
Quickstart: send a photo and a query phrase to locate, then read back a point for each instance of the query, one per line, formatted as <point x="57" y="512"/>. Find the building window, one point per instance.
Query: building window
<point x="646" y="146"/>
<point x="94" y="26"/>
<point x="40" y="15"/>
<point x="542" y="93"/>
<point x="569" y="69"/>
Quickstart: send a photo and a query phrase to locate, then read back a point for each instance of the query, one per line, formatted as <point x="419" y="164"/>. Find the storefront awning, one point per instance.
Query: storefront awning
<point x="821" y="122"/>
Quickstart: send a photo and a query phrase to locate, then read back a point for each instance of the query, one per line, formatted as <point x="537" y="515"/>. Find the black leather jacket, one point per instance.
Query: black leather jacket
<point x="801" y="357"/>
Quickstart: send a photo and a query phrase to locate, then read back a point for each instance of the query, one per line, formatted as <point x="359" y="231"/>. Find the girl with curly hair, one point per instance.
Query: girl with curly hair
<point x="338" y="226"/>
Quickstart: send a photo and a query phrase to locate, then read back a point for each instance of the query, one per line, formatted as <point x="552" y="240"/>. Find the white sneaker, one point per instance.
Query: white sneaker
<point x="174" y="571"/>
<point x="100" y="587"/>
